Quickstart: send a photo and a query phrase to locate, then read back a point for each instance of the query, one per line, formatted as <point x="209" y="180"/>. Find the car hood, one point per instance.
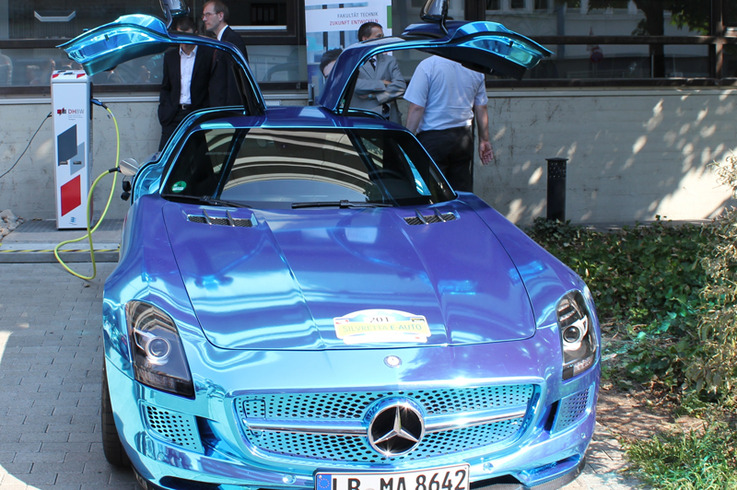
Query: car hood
<point x="347" y="278"/>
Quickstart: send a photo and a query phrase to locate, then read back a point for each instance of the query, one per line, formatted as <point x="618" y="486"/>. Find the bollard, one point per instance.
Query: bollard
<point x="557" y="188"/>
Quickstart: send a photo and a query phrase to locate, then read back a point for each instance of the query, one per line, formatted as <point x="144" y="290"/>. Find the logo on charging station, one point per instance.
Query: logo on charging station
<point x="72" y="113"/>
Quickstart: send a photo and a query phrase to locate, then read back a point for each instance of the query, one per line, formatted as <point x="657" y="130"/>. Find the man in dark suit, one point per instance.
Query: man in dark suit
<point x="379" y="83"/>
<point x="223" y="88"/>
<point x="185" y="82"/>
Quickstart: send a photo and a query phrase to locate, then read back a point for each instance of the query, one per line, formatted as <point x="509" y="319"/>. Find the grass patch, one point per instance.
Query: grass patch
<point x="692" y="460"/>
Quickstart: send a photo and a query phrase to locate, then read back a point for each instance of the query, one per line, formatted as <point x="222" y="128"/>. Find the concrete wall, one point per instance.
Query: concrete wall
<point x="28" y="189"/>
<point x="633" y="154"/>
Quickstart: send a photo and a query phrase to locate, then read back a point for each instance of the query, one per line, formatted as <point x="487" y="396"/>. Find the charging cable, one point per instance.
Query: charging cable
<point x="90" y="228"/>
<point x="48" y="116"/>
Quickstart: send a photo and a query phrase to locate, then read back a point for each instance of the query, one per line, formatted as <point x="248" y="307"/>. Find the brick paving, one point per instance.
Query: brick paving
<point x="50" y="370"/>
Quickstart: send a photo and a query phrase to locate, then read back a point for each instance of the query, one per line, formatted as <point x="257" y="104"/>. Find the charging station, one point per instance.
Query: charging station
<point x="72" y="115"/>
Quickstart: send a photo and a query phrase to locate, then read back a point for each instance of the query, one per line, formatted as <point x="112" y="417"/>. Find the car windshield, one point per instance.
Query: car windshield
<point x="304" y="167"/>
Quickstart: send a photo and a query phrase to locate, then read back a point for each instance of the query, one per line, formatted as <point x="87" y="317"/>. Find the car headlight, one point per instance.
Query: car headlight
<point x="158" y="355"/>
<point x="576" y="334"/>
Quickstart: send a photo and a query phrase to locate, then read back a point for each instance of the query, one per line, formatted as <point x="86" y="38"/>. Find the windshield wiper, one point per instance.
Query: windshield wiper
<point x="343" y="204"/>
<point x="206" y="200"/>
<point x="222" y="202"/>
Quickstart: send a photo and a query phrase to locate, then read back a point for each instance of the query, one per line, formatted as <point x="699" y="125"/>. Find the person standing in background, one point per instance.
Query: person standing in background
<point x="328" y="61"/>
<point x="444" y="98"/>
<point x="185" y="81"/>
<point x="6" y="70"/>
<point x="380" y="83"/>
<point x="223" y="86"/>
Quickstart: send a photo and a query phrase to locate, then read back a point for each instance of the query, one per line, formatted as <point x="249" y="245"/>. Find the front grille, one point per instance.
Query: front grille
<point x="342" y="409"/>
<point x="356" y="449"/>
<point x="353" y="404"/>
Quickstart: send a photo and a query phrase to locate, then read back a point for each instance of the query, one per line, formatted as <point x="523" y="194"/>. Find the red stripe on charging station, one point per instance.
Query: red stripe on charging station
<point x="71" y="195"/>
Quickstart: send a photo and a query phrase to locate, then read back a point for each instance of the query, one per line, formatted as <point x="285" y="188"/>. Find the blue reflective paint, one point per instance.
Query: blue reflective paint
<point x="299" y="325"/>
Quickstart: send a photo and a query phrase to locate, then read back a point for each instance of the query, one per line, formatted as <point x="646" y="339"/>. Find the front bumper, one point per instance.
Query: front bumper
<point x="174" y="442"/>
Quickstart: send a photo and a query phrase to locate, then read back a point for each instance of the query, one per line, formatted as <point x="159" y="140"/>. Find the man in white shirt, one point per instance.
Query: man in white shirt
<point x="444" y="98"/>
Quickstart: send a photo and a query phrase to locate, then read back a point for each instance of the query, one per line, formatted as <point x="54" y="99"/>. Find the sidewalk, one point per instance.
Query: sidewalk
<point x="34" y="241"/>
<point x="53" y="307"/>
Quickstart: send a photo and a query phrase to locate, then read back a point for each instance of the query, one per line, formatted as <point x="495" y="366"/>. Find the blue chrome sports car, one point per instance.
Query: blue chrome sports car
<point x="302" y="302"/>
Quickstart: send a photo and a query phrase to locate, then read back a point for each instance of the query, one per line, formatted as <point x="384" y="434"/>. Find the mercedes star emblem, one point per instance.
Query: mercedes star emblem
<point x="396" y="428"/>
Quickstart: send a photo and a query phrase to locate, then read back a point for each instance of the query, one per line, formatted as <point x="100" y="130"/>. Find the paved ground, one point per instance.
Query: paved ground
<point x="50" y="362"/>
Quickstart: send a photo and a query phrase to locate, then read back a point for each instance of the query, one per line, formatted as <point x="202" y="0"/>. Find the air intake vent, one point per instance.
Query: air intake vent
<point x="573" y="408"/>
<point x="227" y="220"/>
<point x="177" y="428"/>
<point x="419" y="219"/>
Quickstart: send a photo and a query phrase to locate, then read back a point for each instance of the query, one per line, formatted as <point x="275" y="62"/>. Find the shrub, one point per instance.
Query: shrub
<point x="638" y="275"/>
<point x="713" y="368"/>
<point x="646" y="281"/>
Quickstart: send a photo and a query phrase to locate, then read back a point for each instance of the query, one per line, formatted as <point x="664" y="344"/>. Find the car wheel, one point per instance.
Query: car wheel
<point x="111" y="445"/>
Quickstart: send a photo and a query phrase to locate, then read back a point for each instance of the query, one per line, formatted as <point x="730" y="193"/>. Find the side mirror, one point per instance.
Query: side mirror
<point x="128" y="167"/>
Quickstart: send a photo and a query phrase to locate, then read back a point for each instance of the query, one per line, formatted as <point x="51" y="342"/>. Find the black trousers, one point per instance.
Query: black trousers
<point x="168" y="129"/>
<point x="452" y="150"/>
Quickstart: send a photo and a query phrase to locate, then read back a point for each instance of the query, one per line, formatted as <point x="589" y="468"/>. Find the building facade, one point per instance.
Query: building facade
<point x="637" y="98"/>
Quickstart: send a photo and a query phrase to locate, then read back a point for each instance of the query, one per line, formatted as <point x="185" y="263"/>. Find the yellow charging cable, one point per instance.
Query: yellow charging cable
<point x="90" y="229"/>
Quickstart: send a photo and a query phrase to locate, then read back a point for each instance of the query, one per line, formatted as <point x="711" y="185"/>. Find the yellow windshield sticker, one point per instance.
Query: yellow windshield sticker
<point x="371" y="326"/>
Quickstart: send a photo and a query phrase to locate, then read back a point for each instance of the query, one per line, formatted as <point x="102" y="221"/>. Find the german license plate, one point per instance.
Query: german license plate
<point x="446" y="478"/>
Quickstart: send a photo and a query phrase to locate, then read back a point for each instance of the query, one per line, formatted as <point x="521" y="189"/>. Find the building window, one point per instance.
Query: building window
<point x="594" y="39"/>
<point x="277" y="19"/>
<point x="493" y="4"/>
<point x="30" y="30"/>
<point x="730" y="14"/>
<point x="64" y="19"/>
<point x="517" y="4"/>
<point x="589" y="38"/>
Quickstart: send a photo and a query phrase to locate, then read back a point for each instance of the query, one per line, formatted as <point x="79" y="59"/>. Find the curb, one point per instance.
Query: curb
<point x="25" y="256"/>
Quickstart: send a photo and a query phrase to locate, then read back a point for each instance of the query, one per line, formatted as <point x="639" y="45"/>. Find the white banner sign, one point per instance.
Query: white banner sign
<point x="335" y="26"/>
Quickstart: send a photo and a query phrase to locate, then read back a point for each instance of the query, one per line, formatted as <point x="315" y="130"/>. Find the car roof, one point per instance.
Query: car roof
<point x="287" y="117"/>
